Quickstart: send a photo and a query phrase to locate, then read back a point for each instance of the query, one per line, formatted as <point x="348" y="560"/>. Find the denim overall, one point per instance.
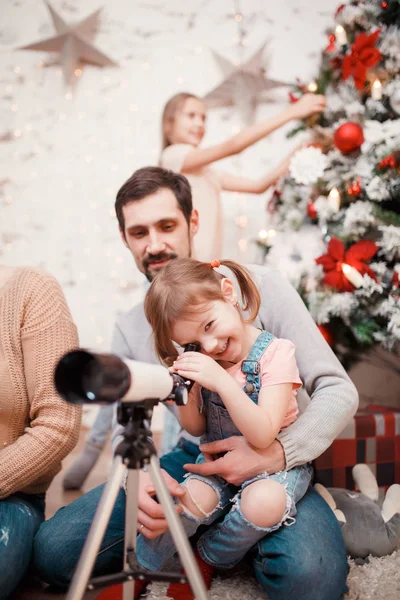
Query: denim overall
<point x="216" y="545"/>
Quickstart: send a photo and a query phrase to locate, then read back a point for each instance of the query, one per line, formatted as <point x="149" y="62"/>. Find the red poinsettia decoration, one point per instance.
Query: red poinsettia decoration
<point x="363" y="56"/>
<point x="355" y="256"/>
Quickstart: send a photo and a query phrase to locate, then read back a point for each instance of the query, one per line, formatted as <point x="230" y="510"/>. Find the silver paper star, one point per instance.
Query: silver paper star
<point x="244" y="86"/>
<point x="74" y="43"/>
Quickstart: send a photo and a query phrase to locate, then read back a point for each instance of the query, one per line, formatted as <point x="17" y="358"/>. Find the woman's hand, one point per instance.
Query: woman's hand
<point x="308" y="104"/>
<point x="202" y="369"/>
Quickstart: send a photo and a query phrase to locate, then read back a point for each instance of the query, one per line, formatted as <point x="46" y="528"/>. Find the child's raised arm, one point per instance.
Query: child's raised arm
<point x="234" y="183"/>
<point x="307" y="105"/>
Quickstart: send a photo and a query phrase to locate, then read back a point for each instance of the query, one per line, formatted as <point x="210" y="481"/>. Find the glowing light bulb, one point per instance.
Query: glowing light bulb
<point x="241" y="221"/>
<point x="312" y="86"/>
<point x="242" y="243"/>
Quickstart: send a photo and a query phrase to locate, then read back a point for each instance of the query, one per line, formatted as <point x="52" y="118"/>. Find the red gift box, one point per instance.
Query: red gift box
<point x="371" y="437"/>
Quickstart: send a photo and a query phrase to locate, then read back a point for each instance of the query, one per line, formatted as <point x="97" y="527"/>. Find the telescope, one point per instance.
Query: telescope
<point x="83" y="377"/>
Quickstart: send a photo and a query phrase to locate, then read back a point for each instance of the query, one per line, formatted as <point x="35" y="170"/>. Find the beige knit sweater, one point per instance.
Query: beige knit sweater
<point x="37" y="428"/>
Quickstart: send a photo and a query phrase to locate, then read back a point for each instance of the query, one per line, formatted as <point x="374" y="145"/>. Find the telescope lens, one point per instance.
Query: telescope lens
<point x="81" y="377"/>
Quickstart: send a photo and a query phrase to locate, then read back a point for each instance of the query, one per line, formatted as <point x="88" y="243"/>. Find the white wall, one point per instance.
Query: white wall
<point x="68" y="156"/>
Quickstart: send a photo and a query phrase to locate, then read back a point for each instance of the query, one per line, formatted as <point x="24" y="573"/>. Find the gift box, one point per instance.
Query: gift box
<point x="371" y="437"/>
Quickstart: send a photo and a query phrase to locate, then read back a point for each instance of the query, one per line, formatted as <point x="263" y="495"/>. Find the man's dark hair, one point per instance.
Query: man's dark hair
<point x="149" y="180"/>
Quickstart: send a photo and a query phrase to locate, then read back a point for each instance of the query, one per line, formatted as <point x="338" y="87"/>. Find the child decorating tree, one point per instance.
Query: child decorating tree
<point x="245" y="384"/>
<point x="183" y="128"/>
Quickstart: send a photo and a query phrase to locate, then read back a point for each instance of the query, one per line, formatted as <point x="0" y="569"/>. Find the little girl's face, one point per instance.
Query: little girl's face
<point x="188" y="125"/>
<point x="219" y="330"/>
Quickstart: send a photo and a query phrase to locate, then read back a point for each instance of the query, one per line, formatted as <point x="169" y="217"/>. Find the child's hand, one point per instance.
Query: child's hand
<point x="200" y="368"/>
<point x="308" y="104"/>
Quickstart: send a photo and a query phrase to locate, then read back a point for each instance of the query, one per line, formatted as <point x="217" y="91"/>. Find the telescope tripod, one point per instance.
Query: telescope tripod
<point x="134" y="452"/>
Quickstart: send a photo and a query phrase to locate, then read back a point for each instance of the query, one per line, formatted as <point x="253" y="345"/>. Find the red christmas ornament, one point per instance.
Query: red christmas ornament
<point x="362" y="57"/>
<point x="348" y="137"/>
<point x="355" y="189"/>
<point x="312" y="211"/>
<point x="384" y="5"/>
<point x="327" y="333"/>
<point x="355" y="256"/>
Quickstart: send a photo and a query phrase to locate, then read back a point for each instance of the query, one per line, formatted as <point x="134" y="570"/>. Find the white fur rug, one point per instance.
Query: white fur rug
<point x="377" y="580"/>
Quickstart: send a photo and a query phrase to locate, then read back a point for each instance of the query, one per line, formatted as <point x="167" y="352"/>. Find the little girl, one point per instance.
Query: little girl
<point x="183" y="128"/>
<point x="245" y="385"/>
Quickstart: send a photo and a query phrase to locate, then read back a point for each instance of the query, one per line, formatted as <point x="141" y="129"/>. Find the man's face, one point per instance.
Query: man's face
<point x="156" y="231"/>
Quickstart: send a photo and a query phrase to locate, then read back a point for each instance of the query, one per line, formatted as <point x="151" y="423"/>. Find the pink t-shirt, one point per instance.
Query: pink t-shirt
<point x="277" y="365"/>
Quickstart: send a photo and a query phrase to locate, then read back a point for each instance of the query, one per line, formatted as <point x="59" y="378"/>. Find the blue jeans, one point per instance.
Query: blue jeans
<point x="20" y="517"/>
<point x="215" y="545"/>
<point x="304" y="561"/>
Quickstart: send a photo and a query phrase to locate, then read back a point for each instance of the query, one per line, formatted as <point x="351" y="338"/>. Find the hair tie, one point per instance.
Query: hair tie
<point x="215" y="264"/>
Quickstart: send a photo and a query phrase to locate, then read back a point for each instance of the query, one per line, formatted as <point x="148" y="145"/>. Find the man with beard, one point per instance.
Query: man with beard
<point x="308" y="559"/>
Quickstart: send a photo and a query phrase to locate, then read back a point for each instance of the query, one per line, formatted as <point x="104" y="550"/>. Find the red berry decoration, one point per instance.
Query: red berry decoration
<point x="348" y="137"/>
<point x="355" y="189"/>
<point x="312" y="211"/>
<point x="384" y="5"/>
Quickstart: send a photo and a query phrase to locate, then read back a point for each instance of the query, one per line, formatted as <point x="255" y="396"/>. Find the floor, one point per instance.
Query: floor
<point x="56" y="498"/>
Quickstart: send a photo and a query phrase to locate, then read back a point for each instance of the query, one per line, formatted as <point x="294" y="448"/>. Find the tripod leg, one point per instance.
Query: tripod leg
<point x="131" y="516"/>
<point x="96" y="533"/>
<point x="177" y="532"/>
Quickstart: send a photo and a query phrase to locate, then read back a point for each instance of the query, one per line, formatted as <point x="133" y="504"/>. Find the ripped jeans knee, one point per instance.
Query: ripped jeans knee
<point x="215" y="545"/>
<point x="206" y="498"/>
<point x="155" y="554"/>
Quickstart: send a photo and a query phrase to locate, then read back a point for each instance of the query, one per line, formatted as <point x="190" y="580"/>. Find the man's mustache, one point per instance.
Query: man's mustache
<point x="155" y="258"/>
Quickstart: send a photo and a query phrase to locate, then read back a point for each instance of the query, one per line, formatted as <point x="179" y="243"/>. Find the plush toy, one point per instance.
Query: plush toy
<point x="367" y="527"/>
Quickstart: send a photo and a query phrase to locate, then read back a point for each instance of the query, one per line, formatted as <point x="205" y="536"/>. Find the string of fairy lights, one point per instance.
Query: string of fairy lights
<point x="241" y="219"/>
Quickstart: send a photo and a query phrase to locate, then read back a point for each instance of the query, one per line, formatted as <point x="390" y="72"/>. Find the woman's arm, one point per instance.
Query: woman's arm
<point x="307" y="105"/>
<point x="190" y="417"/>
<point x="259" y="423"/>
<point x="48" y="332"/>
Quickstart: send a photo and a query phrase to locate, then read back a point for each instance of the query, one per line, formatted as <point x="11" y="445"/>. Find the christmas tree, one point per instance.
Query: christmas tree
<point x="342" y="195"/>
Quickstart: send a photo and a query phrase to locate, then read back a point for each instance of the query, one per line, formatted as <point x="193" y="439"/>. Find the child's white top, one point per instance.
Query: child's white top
<point x="206" y="189"/>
